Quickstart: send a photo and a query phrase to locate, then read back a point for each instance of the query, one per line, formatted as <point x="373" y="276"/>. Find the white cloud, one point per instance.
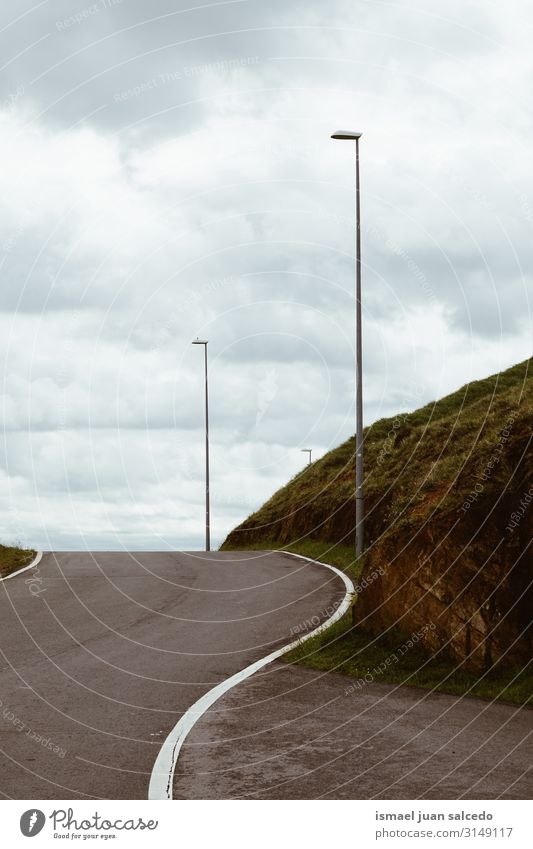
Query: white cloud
<point x="217" y="205"/>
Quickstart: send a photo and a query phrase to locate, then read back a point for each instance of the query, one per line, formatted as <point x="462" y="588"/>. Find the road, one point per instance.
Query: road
<point x="102" y="653"/>
<point x="296" y="733"/>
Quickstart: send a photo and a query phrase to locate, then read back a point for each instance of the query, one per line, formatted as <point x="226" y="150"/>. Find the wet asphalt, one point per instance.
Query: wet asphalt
<point x="296" y="733"/>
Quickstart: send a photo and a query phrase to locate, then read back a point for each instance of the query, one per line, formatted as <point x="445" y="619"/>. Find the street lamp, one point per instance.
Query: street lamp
<point x="350" y="135"/>
<point x="207" y="516"/>
<point x="307" y="451"/>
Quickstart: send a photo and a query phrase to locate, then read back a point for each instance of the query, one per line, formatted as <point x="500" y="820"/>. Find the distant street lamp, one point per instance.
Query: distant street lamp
<point x="308" y="451"/>
<point x="350" y="135"/>
<point x="207" y="516"/>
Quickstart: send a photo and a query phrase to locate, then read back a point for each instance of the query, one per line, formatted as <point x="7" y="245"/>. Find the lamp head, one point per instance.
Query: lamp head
<point x="346" y="135"/>
<point x="199" y="341"/>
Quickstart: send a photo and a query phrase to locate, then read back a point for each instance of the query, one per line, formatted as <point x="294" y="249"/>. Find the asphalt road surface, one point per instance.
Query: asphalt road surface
<point x="295" y="733"/>
<point x="102" y="653"/>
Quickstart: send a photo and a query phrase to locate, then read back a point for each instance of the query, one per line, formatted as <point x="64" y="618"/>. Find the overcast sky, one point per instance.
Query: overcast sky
<point x="167" y="172"/>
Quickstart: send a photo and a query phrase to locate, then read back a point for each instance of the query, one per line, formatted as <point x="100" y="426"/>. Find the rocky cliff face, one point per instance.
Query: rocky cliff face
<point x="467" y="569"/>
<point x="468" y="572"/>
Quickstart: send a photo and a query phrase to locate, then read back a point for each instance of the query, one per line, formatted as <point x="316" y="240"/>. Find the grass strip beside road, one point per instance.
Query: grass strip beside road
<point x="335" y="554"/>
<point x="388" y="659"/>
<point x="13" y="558"/>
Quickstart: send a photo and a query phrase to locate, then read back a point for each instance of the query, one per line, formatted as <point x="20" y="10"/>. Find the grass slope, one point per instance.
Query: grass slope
<point x="417" y="465"/>
<point x="414" y="463"/>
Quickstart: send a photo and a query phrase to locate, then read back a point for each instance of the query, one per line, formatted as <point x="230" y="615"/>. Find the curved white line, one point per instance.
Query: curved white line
<point x="162" y="777"/>
<point x="37" y="559"/>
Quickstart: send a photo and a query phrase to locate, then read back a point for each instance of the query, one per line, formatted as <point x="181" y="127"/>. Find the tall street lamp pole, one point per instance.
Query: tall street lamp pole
<point x="350" y="135"/>
<point x="207" y="513"/>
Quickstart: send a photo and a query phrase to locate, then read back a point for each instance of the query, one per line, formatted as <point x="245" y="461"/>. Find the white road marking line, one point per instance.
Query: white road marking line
<point x="37" y="559"/>
<point x="162" y="777"/>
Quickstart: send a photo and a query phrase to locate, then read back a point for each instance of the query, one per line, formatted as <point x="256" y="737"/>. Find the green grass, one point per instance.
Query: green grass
<point x="417" y="465"/>
<point x="354" y="653"/>
<point x="336" y="554"/>
<point x="13" y="558"/>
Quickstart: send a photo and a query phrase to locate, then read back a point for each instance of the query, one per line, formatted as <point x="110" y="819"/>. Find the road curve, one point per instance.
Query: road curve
<point x="102" y="653"/>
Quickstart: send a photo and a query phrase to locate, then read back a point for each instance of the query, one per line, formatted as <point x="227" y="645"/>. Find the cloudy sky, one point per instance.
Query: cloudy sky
<point x="167" y="172"/>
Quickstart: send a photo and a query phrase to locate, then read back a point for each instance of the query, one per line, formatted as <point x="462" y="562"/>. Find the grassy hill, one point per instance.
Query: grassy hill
<point x="441" y="486"/>
<point x="415" y="464"/>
